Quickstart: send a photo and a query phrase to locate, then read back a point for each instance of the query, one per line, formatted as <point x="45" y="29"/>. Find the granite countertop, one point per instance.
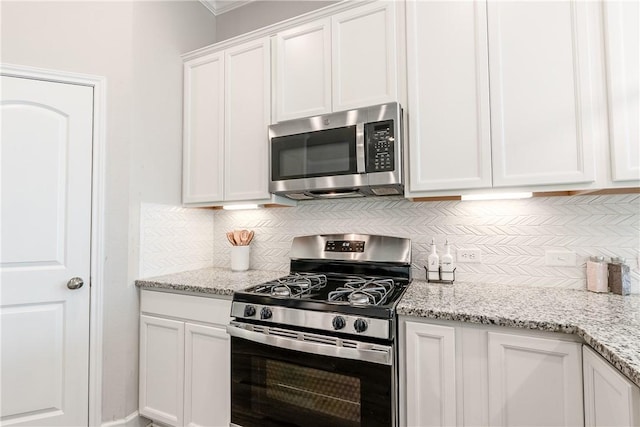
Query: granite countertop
<point x="609" y="323"/>
<point x="209" y="281"/>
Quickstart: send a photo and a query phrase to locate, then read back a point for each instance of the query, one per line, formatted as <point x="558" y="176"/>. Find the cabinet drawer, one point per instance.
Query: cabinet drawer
<point x="195" y="308"/>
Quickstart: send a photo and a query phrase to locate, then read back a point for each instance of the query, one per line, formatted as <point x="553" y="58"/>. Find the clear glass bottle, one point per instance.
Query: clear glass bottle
<point x="597" y="274"/>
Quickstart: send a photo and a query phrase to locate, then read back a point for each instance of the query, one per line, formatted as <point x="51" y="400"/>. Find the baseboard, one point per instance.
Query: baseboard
<point x="132" y="420"/>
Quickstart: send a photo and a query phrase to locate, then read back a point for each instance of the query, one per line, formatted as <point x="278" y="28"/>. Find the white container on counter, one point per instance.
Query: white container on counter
<point x="597" y="274"/>
<point x="240" y="258"/>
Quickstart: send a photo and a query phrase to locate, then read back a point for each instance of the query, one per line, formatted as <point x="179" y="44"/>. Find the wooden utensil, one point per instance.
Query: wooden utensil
<point x="244" y="237"/>
<point x="230" y="238"/>
<point x="250" y="237"/>
<point x="236" y="237"/>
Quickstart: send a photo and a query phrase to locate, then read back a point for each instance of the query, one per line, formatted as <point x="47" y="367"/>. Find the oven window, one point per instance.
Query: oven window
<point x="272" y="386"/>
<point x="313" y="154"/>
<point x="319" y="391"/>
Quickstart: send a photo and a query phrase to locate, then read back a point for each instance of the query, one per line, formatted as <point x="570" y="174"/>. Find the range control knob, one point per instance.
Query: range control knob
<point x="338" y="322"/>
<point x="265" y="313"/>
<point x="249" y="311"/>
<point x="360" y="325"/>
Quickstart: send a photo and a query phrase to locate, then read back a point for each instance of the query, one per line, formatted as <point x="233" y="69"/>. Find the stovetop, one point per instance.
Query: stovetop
<point x="340" y="284"/>
<point x="373" y="296"/>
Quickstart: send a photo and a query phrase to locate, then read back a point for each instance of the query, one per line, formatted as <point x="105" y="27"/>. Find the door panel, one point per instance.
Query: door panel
<point x="248" y="110"/>
<point x="526" y="374"/>
<point x="541" y="89"/>
<point x="449" y="126"/>
<point x="303" y="71"/>
<point x="207" y="376"/>
<point x="46" y="156"/>
<point x="203" y="157"/>
<point x="364" y="56"/>
<point x="38" y="384"/>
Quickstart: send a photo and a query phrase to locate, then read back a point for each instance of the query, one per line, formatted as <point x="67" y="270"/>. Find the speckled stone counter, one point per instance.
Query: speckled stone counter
<point x="609" y="323"/>
<point x="212" y="281"/>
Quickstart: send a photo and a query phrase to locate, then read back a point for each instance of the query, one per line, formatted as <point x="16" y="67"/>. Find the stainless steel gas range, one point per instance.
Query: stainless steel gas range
<point x="318" y="347"/>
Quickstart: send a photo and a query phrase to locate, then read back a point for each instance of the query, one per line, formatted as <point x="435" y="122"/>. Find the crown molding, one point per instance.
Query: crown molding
<point x="218" y="7"/>
<point x="273" y="29"/>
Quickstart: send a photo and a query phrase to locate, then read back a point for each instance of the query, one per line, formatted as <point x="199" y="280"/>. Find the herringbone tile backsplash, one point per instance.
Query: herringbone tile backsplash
<point x="174" y="239"/>
<point x="511" y="235"/>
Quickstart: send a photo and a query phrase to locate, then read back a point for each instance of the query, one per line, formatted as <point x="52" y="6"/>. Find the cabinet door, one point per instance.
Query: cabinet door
<point x="247" y="110"/>
<point x="534" y="381"/>
<point x="623" y="84"/>
<point x="303" y="71"/>
<point x="162" y="369"/>
<point x="542" y="112"/>
<point x="448" y="89"/>
<point x="430" y="375"/>
<point x="364" y="56"/>
<point x="610" y="399"/>
<point x="207" y="376"/>
<point x="203" y="140"/>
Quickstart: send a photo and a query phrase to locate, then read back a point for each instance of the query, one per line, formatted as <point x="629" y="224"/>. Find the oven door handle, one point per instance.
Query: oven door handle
<point x="311" y="343"/>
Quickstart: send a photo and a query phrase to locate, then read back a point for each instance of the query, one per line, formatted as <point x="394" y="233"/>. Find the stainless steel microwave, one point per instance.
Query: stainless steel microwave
<point x="352" y="153"/>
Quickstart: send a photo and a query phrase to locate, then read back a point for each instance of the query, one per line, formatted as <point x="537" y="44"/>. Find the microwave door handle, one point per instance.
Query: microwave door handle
<point x="360" y="151"/>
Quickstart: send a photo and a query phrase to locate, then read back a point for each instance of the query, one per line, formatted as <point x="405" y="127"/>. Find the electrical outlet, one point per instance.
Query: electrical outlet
<point x="560" y="258"/>
<point x="469" y="255"/>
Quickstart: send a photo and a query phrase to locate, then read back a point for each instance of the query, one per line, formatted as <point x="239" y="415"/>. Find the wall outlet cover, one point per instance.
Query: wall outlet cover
<point x="560" y="258"/>
<point x="469" y="255"/>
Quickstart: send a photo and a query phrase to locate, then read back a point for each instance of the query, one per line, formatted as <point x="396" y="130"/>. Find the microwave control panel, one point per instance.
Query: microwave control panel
<point x="380" y="141"/>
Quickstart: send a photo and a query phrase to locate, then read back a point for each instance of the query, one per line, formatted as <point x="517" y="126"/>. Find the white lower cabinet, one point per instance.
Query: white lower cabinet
<point x="455" y="374"/>
<point x="184" y="360"/>
<point x="534" y="381"/>
<point x="610" y="399"/>
<point x="161" y="369"/>
<point x="430" y="374"/>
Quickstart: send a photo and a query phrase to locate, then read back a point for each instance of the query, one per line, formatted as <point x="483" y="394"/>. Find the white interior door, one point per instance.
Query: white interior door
<point x="46" y="152"/>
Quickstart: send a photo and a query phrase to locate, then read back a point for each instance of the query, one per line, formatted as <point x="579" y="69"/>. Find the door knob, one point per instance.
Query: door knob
<point x="75" y="283"/>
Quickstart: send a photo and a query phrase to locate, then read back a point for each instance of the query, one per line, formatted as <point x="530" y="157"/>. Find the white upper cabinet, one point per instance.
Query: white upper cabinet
<point x="227" y="110"/>
<point x="303" y="71"/>
<point x="345" y="61"/>
<point x="203" y="140"/>
<point x="448" y="114"/>
<point x="622" y="47"/>
<point x="247" y="113"/>
<point x="514" y="95"/>
<point x="364" y="56"/>
<point x="542" y="109"/>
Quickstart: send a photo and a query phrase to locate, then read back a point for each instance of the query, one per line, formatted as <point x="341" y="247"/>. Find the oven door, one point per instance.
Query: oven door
<point x="286" y="378"/>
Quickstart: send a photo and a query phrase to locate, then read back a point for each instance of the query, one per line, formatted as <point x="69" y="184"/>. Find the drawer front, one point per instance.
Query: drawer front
<point x="188" y="307"/>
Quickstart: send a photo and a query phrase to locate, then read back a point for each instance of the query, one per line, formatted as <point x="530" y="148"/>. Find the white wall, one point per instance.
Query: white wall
<point x="261" y="13"/>
<point x="136" y="46"/>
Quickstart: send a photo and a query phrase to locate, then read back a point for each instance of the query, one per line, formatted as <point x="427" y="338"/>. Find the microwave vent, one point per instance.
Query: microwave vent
<point x="299" y="196"/>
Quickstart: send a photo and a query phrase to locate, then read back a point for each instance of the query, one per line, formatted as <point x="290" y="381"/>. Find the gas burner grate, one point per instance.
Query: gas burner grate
<point x="295" y="285"/>
<point x="363" y="291"/>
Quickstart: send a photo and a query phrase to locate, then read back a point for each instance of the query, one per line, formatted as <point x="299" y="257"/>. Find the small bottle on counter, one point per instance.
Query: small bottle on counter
<point x="433" y="263"/>
<point x="446" y="262"/>
<point x="619" y="279"/>
<point x="597" y="272"/>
